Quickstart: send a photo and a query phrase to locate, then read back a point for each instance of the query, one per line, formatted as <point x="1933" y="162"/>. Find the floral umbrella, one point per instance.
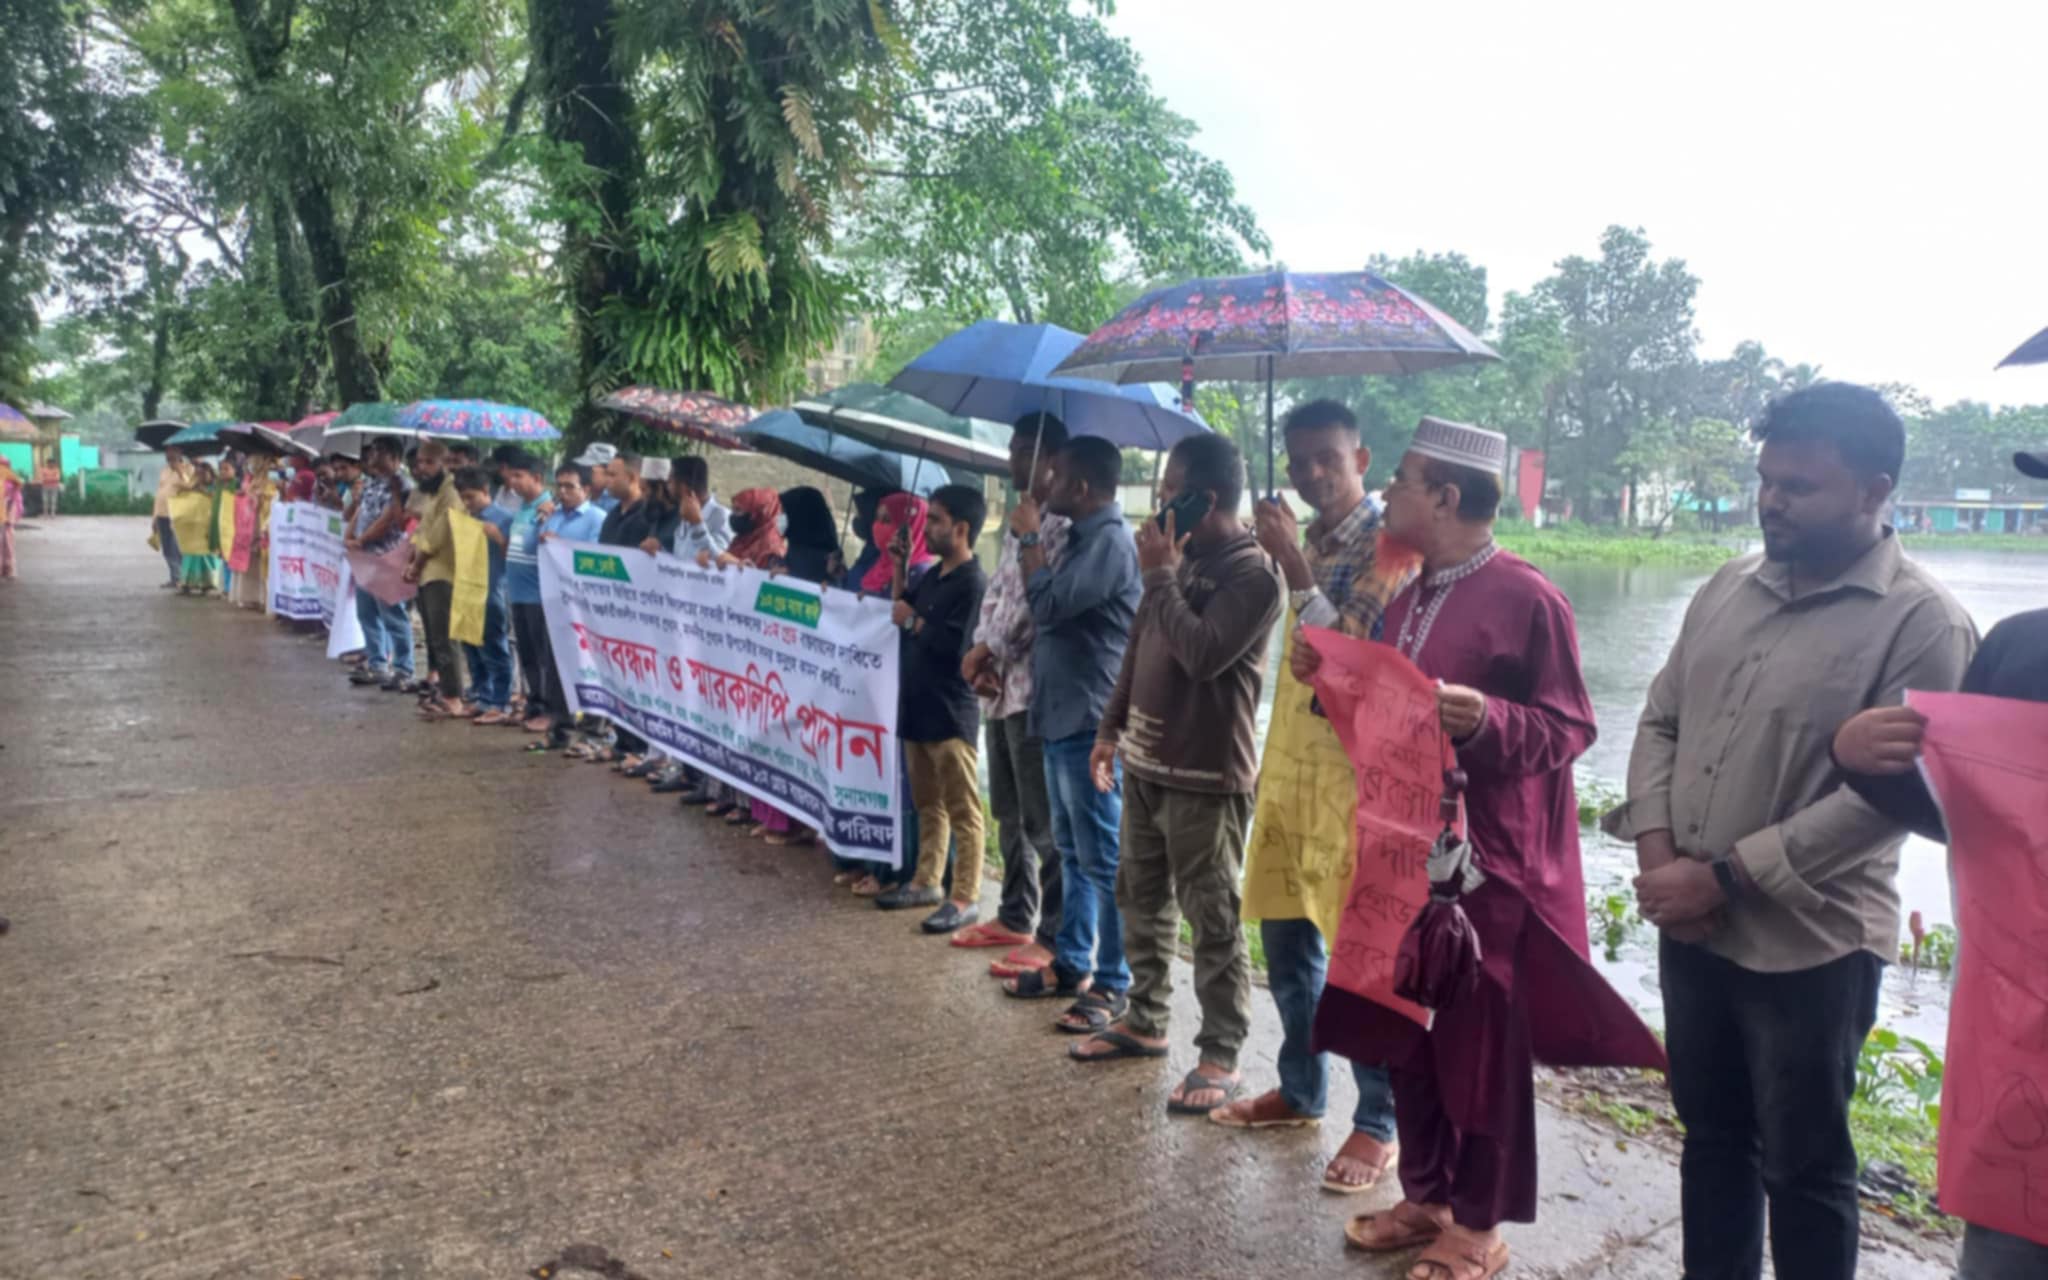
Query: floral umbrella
<point x="696" y="415"/>
<point x="474" y="420"/>
<point x="1274" y="325"/>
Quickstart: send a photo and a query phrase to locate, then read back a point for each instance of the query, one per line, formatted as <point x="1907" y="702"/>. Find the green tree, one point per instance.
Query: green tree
<point x="1029" y="170"/>
<point x="68" y="131"/>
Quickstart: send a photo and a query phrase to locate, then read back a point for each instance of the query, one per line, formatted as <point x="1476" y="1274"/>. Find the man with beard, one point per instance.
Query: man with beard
<point x="1500" y="640"/>
<point x="1304" y="845"/>
<point x="433" y="567"/>
<point x="1773" y="883"/>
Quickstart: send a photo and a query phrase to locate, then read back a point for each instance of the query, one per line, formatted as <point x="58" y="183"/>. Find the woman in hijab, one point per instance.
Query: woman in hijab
<point x="757" y="543"/>
<point x="227" y="485"/>
<point x="898" y="517"/>
<point x="898" y="513"/>
<point x="866" y="502"/>
<point x="259" y="491"/>
<point x="812" y="535"/>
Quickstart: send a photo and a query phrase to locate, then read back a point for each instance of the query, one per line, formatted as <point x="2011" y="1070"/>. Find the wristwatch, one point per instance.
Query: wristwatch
<point x="1028" y="539"/>
<point x="1299" y="599"/>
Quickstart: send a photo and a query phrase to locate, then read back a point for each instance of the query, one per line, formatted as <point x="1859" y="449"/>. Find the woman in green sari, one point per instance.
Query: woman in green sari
<point x="225" y="487"/>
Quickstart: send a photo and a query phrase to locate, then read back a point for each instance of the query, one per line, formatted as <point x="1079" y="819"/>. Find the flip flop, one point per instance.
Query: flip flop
<point x="1012" y="967"/>
<point x="1195" y="1080"/>
<point x="1123" y="1047"/>
<point x="989" y="933"/>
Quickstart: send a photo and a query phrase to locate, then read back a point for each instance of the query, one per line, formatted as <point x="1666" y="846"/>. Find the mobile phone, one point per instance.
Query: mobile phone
<point x="1188" y="510"/>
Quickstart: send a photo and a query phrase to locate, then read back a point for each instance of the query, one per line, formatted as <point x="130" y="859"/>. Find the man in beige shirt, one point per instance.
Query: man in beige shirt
<point x="175" y="476"/>
<point x="1773" y="883"/>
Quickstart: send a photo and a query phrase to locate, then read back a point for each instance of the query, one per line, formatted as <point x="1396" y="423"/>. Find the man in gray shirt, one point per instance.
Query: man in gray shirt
<point x="1773" y="883"/>
<point x="1083" y="609"/>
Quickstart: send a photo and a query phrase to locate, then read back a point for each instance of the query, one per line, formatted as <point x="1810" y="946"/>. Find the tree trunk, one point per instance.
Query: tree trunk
<point x="298" y="349"/>
<point x="355" y="378"/>
<point x="588" y="105"/>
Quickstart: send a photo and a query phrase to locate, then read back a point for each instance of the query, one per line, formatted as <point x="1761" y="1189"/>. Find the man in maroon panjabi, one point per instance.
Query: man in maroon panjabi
<point x="1500" y="639"/>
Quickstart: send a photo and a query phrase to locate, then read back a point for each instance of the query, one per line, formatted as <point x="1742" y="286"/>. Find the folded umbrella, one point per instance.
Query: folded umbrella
<point x="1438" y="962"/>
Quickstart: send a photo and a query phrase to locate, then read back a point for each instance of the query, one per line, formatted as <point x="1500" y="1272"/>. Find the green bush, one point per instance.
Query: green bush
<point x="106" y="504"/>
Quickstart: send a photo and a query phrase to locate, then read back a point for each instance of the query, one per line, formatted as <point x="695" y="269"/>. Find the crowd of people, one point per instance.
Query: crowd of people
<point x="1114" y="677"/>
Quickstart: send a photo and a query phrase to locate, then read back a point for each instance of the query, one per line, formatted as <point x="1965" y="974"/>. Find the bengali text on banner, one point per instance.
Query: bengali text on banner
<point x="771" y="684"/>
<point x="309" y="575"/>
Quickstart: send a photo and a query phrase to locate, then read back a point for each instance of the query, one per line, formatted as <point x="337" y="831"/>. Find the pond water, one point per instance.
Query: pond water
<point x="1628" y="617"/>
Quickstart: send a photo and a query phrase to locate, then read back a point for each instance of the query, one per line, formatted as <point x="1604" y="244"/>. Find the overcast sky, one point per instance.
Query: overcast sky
<point x="1860" y="184"/>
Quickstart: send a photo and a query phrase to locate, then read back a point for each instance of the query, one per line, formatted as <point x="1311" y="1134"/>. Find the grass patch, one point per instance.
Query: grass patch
<point x="1600" y="544"/>
<point x="1900" y="1140"/>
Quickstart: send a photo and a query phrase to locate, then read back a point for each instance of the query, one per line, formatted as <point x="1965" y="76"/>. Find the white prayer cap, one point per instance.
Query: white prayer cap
<point x="654" y="468"/>
<point x="1461" y="444"/>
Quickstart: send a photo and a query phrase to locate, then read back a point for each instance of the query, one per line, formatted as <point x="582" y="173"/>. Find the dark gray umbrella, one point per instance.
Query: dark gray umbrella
<point x="2033" y="351"/>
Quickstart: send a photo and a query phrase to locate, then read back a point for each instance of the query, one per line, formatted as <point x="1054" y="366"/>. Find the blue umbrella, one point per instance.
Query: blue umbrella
<point x="782" y="434"/>
<point x="1001" y="371"/>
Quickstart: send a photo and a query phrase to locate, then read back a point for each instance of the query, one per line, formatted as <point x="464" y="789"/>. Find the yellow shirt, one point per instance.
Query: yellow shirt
<point x="434" y="539"/>
<point x="168" y="482"/>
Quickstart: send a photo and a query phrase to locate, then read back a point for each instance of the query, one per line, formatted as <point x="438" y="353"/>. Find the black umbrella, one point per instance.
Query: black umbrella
<point x="152" y="434"/>
<point x="1438" y="963"/>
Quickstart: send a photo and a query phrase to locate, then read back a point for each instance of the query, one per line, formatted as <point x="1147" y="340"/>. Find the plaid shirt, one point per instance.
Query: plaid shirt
<point x="1006" y="626"/>
<point x="1349" y="596"/>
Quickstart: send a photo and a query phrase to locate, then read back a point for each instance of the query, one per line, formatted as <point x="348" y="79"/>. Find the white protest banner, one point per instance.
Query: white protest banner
<point x="768" y="683"/>
<point x="309" y="578"/>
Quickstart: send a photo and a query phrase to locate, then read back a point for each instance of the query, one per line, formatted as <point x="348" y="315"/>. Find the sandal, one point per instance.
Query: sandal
<point x="1453" y="1259"/>
<point x="1386" y="1232"/>
<point x="1352" y="1151"/>
<point x="491" y="718"/>
<point x="1267" y="1111"/>
<point x="989" y="933"/>
<point x="1016" y="964"/>
<point x="1121" y="1046"/>
<point x="1195" y="1082"/>
<point x="1034" y="985"/>
<point x="867" y="887"/>
<point x="1096" y="1010"/>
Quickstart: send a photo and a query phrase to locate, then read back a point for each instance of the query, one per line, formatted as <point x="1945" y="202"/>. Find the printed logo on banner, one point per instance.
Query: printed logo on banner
<point x="778" y="601"/>
<point x="334" y="525"/>
<point x="592" y="564"/>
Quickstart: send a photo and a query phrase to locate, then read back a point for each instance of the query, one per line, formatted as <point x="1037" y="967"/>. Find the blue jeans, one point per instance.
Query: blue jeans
<point x="387" y="634"/>
<point x="1296" y="966"/>
<point x="1085" y="826"/>
<point x="490" y="663"/>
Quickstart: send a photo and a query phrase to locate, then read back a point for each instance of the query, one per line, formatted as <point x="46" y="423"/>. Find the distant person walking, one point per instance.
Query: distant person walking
<point x="51" y="480"/>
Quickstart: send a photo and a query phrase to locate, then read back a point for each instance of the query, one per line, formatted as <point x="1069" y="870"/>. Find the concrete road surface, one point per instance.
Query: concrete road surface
<point x="299" y="986"/>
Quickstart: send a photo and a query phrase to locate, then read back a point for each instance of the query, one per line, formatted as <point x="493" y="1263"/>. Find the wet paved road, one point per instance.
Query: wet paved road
<point x="300" y="987"/>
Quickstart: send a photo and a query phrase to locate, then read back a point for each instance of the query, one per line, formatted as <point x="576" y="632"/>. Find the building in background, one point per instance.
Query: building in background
<point x="840" y="363"/>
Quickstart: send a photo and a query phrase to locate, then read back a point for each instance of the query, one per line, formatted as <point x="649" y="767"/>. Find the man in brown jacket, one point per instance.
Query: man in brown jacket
<point x="1183" y="716"/>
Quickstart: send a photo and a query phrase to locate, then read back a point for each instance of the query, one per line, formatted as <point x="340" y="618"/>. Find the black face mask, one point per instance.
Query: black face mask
<point x="432" y="484"/>
<point x="742" y="524"/>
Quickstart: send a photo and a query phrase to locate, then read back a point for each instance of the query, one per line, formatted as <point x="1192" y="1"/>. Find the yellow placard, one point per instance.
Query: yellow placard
<point x="472" y="577"/>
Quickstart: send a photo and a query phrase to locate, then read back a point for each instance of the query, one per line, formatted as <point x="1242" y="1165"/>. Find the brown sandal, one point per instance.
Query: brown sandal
<point x="1385" y="1232"/>
<point x="1388" y="1154"/>
<point x="1267" y="1111"/>
<point x="1455" y="1260"/>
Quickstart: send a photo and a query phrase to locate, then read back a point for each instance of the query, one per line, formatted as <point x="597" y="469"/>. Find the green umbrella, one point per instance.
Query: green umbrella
<point x="902" y="423"/>
<point x="348" y="430"/>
